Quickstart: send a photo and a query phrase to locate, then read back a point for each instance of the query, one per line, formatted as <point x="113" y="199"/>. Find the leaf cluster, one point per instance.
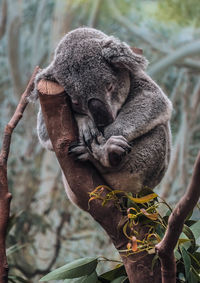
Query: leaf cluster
<point x="146" y="209"/>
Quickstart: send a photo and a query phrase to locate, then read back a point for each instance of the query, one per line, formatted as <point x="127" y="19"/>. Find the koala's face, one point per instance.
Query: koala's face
<point x="96" y="88"/>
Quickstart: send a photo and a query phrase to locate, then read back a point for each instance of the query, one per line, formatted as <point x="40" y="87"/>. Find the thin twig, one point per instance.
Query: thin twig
<point x="16" y="118"/>
<point x="5" y="196"/>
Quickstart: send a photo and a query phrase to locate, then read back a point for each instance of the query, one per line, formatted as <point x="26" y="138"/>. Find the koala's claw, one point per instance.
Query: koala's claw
<point x="111" y="152"/>
<point x="78" y="151"/>
<point x="117" y="148"/>
<point x="87" y="129"/>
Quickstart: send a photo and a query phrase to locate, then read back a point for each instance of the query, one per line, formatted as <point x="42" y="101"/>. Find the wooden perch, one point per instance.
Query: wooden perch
<point x="5" y="196"/>
<point x="83" y="178"/>
<point x="165" y="248"/>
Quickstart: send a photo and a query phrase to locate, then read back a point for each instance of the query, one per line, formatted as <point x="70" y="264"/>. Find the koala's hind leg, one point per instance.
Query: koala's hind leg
<point x="42" y="132"/>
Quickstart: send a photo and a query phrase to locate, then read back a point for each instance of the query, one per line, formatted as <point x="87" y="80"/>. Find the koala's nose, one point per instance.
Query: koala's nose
<point x="102" y="117"/>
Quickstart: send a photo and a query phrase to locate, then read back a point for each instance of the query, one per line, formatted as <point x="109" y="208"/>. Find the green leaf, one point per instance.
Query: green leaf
<point x="195" y="260"/>
<point x="196" y="229"/>
<point x="192" y="278"/>
<point x="188" y="232"/>
<point x="120" y="279"/>
<point x="112" y="274"/>
<point x="92" y="278"/>
<point x="14" y="278"/>
<point x="195" y="274"/>
<point x="76" y="280"/>
<point x="14" y="249"/>
<point x="177" y="254"/>
<point x="75" y="269"/>
<point x="12" y="220"/>
<point x="154" y="260"/>
<point x="181" y="277"/>
<point x="186" y="260"/>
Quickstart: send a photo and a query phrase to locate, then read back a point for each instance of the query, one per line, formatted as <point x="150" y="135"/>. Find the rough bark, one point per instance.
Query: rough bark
<point x="83" y="178"/>
<point x="5" y="196"/>
<point x="165" y="248"/>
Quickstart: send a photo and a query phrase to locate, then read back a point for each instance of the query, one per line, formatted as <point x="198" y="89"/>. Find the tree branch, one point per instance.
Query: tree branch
<point x="172" y="58"/>
<point x="5" y="196"/>
<point x="83" y="178"/>
<point x="165" y="248"/>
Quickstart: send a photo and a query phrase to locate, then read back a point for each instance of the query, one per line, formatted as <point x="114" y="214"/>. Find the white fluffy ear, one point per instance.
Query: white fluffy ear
<point x="121" y="55"/>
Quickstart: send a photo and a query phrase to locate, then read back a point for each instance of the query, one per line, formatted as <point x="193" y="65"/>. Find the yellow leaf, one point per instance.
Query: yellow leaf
<point x="143" y="199"/>
<point x="153" y="235"/>
<point x="182" y="241"/>
<point x="101" y="187"/>
<point x="132" y="208"/>
<point x="125" y="232"/>
<point x="152" y="216"/>
<point x="134" y="244"/>
<point x="132" y="216"/>
<point x="128" y="246"/>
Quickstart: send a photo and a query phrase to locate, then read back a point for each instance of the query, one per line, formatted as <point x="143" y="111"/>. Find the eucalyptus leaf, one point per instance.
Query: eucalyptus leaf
<point x="120" y="279"/>
<point x="114" y="273"/>
<point x="92" y="278"/>
<point x="14" y="249"/>
<point x="76" y="280"/>
<point x="188" y="232"/>
<point x="186" y="260"/>
<point x="196" y="229"/>
<point x="196" y="274"/>
<point x="177" y="254"/>
<point x="75" y="269"/>
<point x="192" y="278"/>
<point x="154" y="260"/>
<point x="14" y="278"/>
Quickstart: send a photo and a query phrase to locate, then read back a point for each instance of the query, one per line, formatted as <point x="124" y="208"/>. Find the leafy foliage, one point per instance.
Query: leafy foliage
<point x="184" y="12"/>
<point x="145" y="208"/>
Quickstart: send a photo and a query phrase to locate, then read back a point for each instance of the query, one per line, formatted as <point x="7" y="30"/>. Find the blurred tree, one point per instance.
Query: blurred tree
<point x="181" y="11"/>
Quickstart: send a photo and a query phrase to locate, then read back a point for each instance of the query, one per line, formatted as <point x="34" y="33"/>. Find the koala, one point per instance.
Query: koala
<point x="122" y="114"/>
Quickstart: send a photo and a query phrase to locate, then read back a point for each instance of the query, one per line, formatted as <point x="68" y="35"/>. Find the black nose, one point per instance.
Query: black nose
<point x="102" y="117"/>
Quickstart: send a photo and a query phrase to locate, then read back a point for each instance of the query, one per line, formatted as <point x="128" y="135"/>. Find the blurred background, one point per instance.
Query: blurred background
<point x="47" y="231"/>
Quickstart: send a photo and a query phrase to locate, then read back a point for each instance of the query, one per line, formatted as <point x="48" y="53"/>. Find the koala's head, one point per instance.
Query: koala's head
<point x="94" y="70"/>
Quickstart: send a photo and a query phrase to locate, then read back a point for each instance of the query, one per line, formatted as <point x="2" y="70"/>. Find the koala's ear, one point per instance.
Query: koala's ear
<point x="121" y="55"/>
<point x="46" y="74"/>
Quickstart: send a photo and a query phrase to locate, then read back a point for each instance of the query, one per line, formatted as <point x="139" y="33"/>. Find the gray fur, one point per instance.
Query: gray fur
<point x="94" y="67"/>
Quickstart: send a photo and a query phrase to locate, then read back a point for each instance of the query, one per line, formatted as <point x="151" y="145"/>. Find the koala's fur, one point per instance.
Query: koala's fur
<point x="111" y="93"/>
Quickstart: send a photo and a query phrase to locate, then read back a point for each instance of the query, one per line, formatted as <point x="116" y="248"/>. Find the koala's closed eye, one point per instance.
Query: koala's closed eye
<point x="110" y="87"/>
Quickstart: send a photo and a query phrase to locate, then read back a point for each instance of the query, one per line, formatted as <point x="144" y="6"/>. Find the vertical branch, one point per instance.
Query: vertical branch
<point x="83" y="178"/>
<point x="165" y="248"/>
<point x="5" y="196"/>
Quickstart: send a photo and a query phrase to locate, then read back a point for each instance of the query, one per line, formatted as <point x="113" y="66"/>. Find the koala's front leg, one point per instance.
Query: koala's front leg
<point x="81" y="150"/>
<point x="111" y="152"/>
<point x="87" y="129"/>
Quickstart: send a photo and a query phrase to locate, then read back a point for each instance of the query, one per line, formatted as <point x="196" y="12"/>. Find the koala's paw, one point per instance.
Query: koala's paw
<point x="87" y="129"/>
<point x="112" y="152"/>
<point x="79" y="151"/>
